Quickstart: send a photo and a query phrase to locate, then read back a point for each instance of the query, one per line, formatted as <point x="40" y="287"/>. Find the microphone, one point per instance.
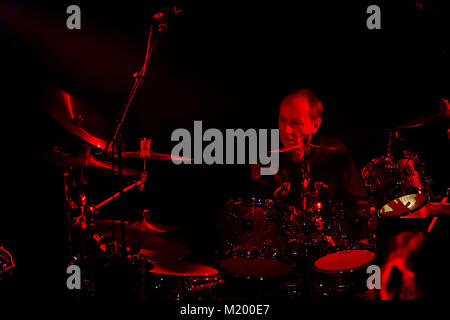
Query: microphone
<point x="306" y="139"/>
<point x="167" y="11"/>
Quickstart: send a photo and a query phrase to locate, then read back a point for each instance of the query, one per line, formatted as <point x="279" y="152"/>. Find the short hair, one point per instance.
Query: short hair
<point x="315" y="104"/>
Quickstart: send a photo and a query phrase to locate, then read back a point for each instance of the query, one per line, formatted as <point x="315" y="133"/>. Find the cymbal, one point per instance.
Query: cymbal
<point x="145" y="226"/>
<point x="444" y="113"/>
<point x="105" y="226"/>
<point x="150" y="155"/>
<point x="84" y="161"/>
<point x="312" y="146"/>
<point x="152" y="244"/>
<point x="422" y="121"/>
<point x="77" y="117"/>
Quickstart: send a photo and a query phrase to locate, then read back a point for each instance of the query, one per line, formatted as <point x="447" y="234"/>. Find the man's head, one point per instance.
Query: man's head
<point x="300" y="116"/>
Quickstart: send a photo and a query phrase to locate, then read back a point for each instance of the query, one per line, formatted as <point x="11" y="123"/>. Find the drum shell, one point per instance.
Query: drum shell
<point x="251" y="225"/>
<point x="253" y="245"/>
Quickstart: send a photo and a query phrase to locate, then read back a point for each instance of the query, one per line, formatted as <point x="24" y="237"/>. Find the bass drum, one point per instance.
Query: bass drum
<point x="345" y="249"/>
<point x="399" y="185"/>
<point x="253" y="246"/>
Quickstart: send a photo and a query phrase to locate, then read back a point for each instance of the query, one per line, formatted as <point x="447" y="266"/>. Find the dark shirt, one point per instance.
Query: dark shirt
<point x="335" y="168"/>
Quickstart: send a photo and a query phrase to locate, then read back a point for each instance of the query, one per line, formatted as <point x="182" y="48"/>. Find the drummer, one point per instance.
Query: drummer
<point x="299" y="121"/>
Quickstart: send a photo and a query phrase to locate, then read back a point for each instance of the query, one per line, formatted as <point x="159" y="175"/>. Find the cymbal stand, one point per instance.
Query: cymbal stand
<point x="78" y="211"/>
<point x="305" y="192"/>
<point x="138" y="80"/>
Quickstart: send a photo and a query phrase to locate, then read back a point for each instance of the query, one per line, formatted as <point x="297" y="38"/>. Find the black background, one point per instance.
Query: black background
<point x="226" y="63"/>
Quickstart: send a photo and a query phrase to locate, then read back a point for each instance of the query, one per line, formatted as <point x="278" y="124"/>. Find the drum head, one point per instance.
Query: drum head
<point x="346" y="260"/>
<point x="255" y="267"/>
<point x="404" y="205"/>
<point x="182" y="269"/>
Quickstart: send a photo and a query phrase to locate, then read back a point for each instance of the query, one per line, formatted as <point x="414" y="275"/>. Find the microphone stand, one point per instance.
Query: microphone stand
<point x="114" y="144"/>
<point x="305" y="192"/>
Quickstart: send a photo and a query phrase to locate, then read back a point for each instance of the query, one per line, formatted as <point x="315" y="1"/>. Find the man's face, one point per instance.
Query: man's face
<point x="294" y="121"/>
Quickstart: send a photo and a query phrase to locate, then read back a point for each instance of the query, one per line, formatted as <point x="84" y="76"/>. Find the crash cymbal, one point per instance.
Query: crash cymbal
<point x="150" y="155"/>
<point x="77" y="117"/>
<point x="84" y="161"/>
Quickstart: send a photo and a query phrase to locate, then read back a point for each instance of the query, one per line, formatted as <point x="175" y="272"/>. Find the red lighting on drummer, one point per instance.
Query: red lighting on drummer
<point x="405" y="243"/>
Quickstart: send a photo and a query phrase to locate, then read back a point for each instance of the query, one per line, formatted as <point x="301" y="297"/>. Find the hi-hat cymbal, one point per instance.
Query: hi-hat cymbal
<point x="77" y="117"/>
<point x="105" y="226"/>
<point x="150" y="155"/>
<point x="152" y="244"/>
<point x="84" y="161"/>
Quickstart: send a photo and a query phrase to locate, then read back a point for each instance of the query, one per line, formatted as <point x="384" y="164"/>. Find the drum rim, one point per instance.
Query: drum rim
<point x="360" y="246"/>
<point x="216" y="273"/>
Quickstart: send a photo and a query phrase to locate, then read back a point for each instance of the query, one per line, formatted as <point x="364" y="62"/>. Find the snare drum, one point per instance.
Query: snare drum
<point x="253" y="245"/>
<point x="183" y="281"/>
<point x="399" y="185"/>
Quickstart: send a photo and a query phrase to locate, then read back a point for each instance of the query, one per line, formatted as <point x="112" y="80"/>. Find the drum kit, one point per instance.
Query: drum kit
<point x="321" y="247"/>
<point x="315" y="245"/>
